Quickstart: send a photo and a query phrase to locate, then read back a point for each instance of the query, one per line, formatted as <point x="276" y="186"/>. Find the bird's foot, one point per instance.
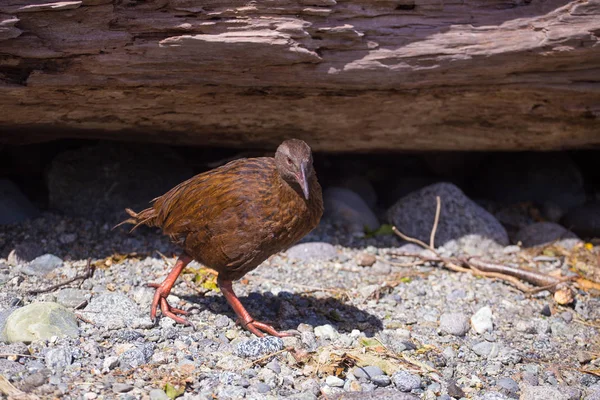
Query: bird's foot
<point x="258" y="328"/>
<point x="160" y="300"/>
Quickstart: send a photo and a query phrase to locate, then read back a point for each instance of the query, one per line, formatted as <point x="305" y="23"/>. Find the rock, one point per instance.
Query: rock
<point x="381" y="380"/>
<point x="405" y="381"/>
<point x="365" y="259"/>
<point x="481" y="321"/>
<point x="70" y="297"/>
<point x="546" y="312"/>
<point x="24" y="252"/>
<point x="327" y="332"/>
<point x="40" y="321"/>
<point x="492" y="396"/>
<point x="387" y="394"/>
<point x="454" y="390"/>
<point x="59" y="358"/>
<point x="42" y="265"/>
<point x="4" y="314"/>
<point x="509" y="385"/>
<point x="362" y="187"/>
<point x="15" y="207"/>
<point x="414" y="214"/>
<point x="262" y="387"/>
<point x="593" y="392"/>
<point x="485" y="349"/>
<point x="109" y="363"/>
<point x="114" y="310"/>
<point x="531" y="177"/>
<point x="101" y="180"/>
<point x="334" y="381"/>
<point x="122" y="387"/>
<point x="348" y="211"/>
<point x="312" y="251"/>
<point x="258" y="347"/>
<point x="9" y="368"/>
<point x="367" y="372"/>
<point x="542" y="392"/>
<point x="456" y="324"/>
<point x="542" y="233"/>
<point x="584" y="220"/>
<point x="136" y="356"/>
<point x="158" y="394"/>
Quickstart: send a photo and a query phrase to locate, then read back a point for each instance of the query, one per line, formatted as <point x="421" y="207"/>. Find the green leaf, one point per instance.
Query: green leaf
<point x="383" y="230"/>
<point x="173" y="392"/>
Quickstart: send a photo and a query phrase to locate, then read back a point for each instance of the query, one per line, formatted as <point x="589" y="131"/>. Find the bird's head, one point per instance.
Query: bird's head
<point x="294" y="162"/>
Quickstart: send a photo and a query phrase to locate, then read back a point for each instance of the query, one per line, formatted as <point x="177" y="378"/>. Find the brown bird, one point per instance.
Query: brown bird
<point x="234" y="217"/>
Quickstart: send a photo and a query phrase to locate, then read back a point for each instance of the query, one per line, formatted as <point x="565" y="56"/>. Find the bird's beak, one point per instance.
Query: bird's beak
<point x="303" y="181"/>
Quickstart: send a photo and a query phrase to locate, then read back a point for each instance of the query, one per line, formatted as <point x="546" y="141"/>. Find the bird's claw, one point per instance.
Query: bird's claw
<point x="258" y="328"/>
<point x="160" y="300"/>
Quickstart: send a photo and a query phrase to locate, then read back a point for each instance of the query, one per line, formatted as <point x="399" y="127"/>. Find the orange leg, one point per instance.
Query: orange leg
<point x="245" y="319"/>
<point x="163" y="290"/>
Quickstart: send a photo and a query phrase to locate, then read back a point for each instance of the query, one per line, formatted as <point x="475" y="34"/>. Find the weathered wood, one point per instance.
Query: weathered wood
<point x="345" y="75"/>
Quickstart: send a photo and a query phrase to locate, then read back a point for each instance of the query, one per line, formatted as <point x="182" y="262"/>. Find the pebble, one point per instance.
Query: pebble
<point x="327" y="332"/>
<point x="367" y="372"/>
<point x="109" y="363"/>
<point x="414" y="214"/>
<point x="481" y="321"/>
<point x="542" y="392"/>
<point x="509" y="385"/>
<point x="347" y="210"/>
<point x="486" y="349"/>
<point x="546" y="312"/>
<point x="334" y="381"/>
<point x="138" y="355"/>
<point x="258" y="347"/>
<point x="71" y="298"/>
<point x="312" y="251"/>
<point x="262" y="387"/>
<point x="381" y="380"/>
<point x="542" y="233"/>
<point x="365" y="259"/>
<point x="274" y="366"/>
<point x="40" y="321"/>
<point x="42" y="265"/>
<point x="114" y="311"/>
<point x="158" y="394"/>
<point x="405" y="381"/>
<point x="122" y="387"/>
<point x="454" y="390"/>
<point x="456" y="324"/>
<point x="59" y="357"/>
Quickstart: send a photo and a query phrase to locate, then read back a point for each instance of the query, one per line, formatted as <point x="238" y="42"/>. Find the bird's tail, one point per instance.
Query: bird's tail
<point x="144" y="217"/>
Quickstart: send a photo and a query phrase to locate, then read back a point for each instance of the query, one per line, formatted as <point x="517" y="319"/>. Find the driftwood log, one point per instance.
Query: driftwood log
<point x="344" y="74"/>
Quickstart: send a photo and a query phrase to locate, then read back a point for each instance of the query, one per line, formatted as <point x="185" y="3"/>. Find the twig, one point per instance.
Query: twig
<point x="435" y="222"/>
<point x="410" y="239"/>
<point x="270" y="355"/>
<point x="87" y="274"/>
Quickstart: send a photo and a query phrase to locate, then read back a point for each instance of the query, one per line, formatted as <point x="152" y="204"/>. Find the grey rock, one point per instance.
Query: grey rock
<point x="114" y="311"/>
<point x="456" y="324"/>
<point x="137" y="356"/>
<point x="362" y="187"/>
<point x="101" y="180"/>
<point x="414" y="215"/>
<point x="274" y="366"/>
<point x="312" y="251"/>
<point x="481" y="321"/>
<point x="15" y="207"/>
<point x="367" y="372"/>
<point x="543" y="392"/>
<point x="4" y="314"/>
<point x="348" y="211"/>
<point x="492" y="396"/>
<point x="454" y="390"/>
<point x="405" y="381"/>
<point x="258" y="347"/>
<point x="327" y="332"/>
<point x="530" y="378"/>
<point x="158" y="394"/>
<point x="10" y="368"/>
<point x="334" y="381"/>
<point x="584" y="220"/>
<point x="485" y="349"/>
<point x="40" y="321"/>
<point x="70" y="297"/>
<point x="535" y="177"/>
<point x="59" y="357"/>
<point x="262" y="387"/>
<point x="42" y="265"/>
<point x="122" y="387"/>
<point x="593" y="392"/>
<point x="387" y="394"/>
<point x="109" y="363"/>
<point x="542" y="233"/>
<point x="381" y="380"/>
<point x="508" y="384"/>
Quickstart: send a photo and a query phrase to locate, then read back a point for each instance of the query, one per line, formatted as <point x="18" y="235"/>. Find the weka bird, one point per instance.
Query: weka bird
<point x="234" y="217"/>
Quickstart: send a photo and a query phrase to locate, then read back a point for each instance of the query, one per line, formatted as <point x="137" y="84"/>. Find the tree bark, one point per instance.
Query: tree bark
<point x="352" y="75"/>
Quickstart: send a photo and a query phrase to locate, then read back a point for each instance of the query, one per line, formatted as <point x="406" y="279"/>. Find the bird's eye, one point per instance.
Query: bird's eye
<point x="289" y="161"/>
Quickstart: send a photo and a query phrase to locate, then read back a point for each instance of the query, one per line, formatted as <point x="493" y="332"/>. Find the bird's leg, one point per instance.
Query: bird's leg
<point x="163" y="290"/>
<point x="245" y="319"/>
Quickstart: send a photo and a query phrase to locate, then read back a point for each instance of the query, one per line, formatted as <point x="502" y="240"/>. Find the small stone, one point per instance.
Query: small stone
<point x="327" y="332"/>
<point x="365" y="259"/>
<point x="367" y="372"/>
<point x="136" y="356"/>
<point x="530" y="378"/>
<point x="509" y="385"/>
<point x="546" y="311"/>
<point x="59" y="357"/>
<point x="158" y="394"/>
<point x="274" y="366"/>
<point x="456" y="324"/>
<point x="584" y="357"/>
<point x="567" y="316"/>
<point x="109" y="363"/>
<point x="42" y="265"/>
<point x="259" y="347"/>
<point x="334" y="381"/>
<point x="312" y="251"/>
<point x="122" y="387"/>
<point x="40" y="321"/>
<point x="381" y="380"/>
<point x="405" y="381"/>
<point x="262" y="387"/>
<point x="454" y="390"/>
<point x="481" y="321"/>
<point x="71" y="298"/>
<point x="485" y="349"/>
<point x="90" y="396"/>
<point x="542" y="392"/>
<point x="114" y="311"/>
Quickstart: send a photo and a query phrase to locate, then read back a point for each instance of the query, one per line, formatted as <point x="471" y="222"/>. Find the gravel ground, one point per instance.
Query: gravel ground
<point x="367" y="327"/>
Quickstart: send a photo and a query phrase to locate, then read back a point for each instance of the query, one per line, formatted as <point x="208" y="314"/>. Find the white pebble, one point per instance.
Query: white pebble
<point x="481" y="321"/>
<point x="334" y="381"/>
